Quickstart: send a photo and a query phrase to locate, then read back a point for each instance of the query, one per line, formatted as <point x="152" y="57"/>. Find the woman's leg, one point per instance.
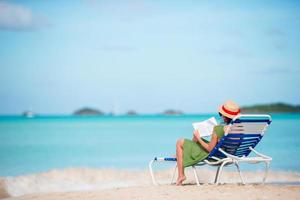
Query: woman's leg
<point x="179" y="156"/>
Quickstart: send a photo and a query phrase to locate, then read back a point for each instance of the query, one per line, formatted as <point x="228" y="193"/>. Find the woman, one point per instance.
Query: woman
<point x="190" y="152"/>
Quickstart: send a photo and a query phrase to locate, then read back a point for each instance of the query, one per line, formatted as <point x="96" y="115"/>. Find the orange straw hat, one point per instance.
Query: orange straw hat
<point x="229" y="109"/>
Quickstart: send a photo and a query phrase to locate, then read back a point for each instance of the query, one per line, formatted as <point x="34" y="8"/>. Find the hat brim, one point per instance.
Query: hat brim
<point x="226" y="114"/>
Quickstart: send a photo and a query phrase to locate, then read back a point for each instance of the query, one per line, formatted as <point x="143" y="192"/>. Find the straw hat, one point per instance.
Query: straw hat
<point x="229" y="109"/>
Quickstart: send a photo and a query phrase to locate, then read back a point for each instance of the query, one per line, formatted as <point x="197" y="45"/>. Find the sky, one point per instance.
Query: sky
<point x="147" y="56"/>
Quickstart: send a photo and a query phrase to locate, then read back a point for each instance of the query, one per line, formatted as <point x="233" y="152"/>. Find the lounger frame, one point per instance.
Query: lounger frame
<point x="242" y="135"/>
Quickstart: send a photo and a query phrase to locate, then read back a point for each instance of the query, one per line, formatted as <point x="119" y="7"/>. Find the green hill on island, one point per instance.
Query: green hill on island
<point x="271" y="108"/>
<point x="88" y="112"/>
<point x="172" y="112"/>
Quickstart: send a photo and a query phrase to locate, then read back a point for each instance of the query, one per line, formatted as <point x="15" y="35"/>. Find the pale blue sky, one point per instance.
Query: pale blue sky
<point x="58" y="56"/>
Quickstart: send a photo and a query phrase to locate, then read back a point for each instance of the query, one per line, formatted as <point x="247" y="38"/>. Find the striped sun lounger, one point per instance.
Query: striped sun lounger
<point x="243" y="134"/>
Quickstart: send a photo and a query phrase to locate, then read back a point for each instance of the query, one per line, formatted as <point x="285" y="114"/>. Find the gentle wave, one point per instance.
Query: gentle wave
<point x="74" y="179"/>
<point x="80" y="179"/>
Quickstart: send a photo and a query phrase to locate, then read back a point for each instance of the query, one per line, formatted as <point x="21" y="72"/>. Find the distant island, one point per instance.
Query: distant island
<point x="271" y="108"/>
<point x="258" y="108"/>
<point x="88" y="112"/>
<point x="131" y="113"/>
<point x="172" y="112"/>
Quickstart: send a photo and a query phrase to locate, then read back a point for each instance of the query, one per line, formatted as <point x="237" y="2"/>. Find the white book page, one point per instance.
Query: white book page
<point x="206" y="127"/>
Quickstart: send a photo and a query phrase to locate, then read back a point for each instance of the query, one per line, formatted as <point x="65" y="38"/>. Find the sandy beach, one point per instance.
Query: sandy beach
<point x="115" y="184"/>
<point x="172" y="192"/>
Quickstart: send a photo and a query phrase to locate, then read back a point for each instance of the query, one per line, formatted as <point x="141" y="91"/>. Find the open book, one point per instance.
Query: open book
<point x="206" y="127"/>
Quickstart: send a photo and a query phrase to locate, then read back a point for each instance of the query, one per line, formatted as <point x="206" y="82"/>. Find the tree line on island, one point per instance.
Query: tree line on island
<point x="271" y="108"/>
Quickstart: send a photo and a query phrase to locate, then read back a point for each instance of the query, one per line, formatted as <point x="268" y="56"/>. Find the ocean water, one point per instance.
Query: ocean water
<point x="33" y="145"/>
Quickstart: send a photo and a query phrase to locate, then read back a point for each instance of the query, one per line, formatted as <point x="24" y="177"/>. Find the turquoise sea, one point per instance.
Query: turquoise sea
<point x="32" y="145"/>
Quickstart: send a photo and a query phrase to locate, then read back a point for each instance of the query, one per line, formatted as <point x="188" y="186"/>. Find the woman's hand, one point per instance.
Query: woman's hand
<point x="196" y="136"/>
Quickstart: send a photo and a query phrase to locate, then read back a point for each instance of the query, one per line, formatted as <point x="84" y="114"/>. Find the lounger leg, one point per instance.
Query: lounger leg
<point x="174" y="174"/>
<point x="151" y="172"/>
<point x="240" y="173"/>
<point x="219" y="171"/>
<point x="266" y="172"/>
<point x="196" y="176"/>
<point x="217" y="175"/>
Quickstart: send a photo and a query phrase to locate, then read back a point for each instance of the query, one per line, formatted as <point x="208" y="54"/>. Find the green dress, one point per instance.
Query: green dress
<point x="193" y="152"/>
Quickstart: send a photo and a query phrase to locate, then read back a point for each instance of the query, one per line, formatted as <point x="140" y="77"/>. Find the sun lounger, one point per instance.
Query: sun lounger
<point x="240" y="139"/>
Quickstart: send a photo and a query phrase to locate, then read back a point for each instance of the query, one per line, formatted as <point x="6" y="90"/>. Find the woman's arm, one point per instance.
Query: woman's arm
<point x="207" y="146"/>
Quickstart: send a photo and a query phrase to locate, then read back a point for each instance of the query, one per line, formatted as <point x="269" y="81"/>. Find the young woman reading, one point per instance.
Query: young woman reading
<point x="190" y="152"/>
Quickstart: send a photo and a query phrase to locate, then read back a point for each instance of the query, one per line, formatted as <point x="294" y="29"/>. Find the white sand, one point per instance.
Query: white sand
<point x="222" y="192"/>
<point x="115" y="184"/>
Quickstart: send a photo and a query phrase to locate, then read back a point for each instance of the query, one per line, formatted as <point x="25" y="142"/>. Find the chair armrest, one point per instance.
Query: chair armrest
<point x="229" y="155"/>
<point x="261" y="158"/>
<point x="260" y="154"/>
